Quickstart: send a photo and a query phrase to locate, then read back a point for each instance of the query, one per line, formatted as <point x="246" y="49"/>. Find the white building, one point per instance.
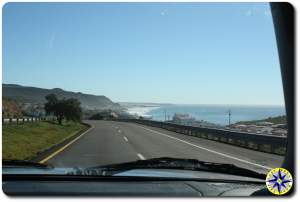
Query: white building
<point x="184" y="119"/>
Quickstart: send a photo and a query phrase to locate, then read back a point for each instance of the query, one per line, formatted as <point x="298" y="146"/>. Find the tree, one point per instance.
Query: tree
<point x="11" y="109"/>
<point x="73" y="110"/>
<point x="68" y="109"/>
<point x="51" y="104"/>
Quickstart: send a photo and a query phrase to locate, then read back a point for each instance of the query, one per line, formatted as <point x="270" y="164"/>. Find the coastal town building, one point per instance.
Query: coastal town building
<point x="184" y="119"/>
<point x="261" y="128"/>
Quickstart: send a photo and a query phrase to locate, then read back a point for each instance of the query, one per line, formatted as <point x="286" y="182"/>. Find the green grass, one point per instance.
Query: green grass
<point x="26" y="140"/>
<point x="274" y="120"/>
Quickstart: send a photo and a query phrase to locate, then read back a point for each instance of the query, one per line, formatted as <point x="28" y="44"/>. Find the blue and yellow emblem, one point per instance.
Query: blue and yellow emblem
<point x="279" y="181"/>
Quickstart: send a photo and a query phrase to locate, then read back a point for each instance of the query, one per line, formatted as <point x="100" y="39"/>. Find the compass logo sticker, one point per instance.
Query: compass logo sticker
<point x="279" y="181"/>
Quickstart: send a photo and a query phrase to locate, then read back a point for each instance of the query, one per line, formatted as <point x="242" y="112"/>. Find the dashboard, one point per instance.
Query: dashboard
<point x="140" y="182"/>
<point x="130" y="188"/>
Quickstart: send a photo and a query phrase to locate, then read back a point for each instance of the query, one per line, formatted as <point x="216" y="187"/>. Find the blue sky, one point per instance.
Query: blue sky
<point x="196" y="53"/>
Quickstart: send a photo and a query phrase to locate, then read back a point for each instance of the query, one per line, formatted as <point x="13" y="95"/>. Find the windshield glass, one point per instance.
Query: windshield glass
<point x="91" y="85"/>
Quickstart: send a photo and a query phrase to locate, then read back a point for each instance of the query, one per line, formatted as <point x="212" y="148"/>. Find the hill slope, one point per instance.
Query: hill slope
<point x="274" y="120"/>
<point x="33" y="95"/>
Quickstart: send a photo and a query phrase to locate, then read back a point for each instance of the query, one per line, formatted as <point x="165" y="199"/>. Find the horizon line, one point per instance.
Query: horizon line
<point x="217" y="104"/>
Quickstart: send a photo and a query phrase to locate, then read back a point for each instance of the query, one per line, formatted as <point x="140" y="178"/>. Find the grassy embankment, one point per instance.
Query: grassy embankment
<point x="24" y="141"/>
<point x="274" y="120"/>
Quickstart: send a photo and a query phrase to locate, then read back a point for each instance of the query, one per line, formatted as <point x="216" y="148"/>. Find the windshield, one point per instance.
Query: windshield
<point x="91" y="85"/>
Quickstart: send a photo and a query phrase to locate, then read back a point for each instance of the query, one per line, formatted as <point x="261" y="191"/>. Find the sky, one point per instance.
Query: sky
<point x="181" y="53"/>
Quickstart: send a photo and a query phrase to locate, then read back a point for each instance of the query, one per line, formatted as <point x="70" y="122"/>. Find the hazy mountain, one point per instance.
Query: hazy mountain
<point x="33" y="95"/>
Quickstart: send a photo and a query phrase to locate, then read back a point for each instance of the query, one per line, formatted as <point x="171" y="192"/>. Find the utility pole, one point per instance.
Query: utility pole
<point x="229" y="117"/>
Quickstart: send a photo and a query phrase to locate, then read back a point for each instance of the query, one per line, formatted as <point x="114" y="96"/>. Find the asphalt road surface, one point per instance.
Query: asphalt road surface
<point x="110" y="142"/>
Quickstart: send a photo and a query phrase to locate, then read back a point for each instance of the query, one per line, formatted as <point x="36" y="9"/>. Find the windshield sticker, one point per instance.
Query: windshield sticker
<point x="279" y="181"/>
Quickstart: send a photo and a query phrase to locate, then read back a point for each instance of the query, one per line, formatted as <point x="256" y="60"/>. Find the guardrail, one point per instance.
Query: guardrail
<point x="264" y="143"/>
<point x="24" y="120"/>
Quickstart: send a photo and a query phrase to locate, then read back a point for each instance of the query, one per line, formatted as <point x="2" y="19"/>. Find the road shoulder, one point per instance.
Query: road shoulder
<point x="47" y="154"/>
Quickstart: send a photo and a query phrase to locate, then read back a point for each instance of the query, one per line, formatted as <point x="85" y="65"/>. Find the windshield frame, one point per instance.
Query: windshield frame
<point x="283" y="15"/>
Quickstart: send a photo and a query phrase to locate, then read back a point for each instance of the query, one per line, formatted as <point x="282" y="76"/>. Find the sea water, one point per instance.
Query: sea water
<point x="218" y="114"/>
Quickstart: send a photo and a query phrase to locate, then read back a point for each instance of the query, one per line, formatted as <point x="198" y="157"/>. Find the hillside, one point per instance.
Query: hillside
<point x="274" y="120"/>
<point x="33" y="95"/>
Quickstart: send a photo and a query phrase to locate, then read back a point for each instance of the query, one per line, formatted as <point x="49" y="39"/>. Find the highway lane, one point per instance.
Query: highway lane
<point x="115" y="142"/>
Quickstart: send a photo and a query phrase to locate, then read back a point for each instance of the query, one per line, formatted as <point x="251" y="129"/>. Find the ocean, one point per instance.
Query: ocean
<point x="217" y="114"/>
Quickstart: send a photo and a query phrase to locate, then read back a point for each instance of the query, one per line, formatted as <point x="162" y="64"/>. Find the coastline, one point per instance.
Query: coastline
<point x="210" y="113"/>
<point x="142" y="111"/>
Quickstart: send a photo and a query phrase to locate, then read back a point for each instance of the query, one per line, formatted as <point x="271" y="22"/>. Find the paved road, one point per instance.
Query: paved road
<point x="111" y="142"/>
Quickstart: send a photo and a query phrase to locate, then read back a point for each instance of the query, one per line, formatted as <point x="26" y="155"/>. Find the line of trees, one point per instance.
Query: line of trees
<point x="68" y="109"/>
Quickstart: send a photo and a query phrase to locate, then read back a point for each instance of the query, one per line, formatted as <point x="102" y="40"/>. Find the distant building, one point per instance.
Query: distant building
<point x="113" y="115"/>
<point x="264" y="123"/>
<point x="240" y="127"/>
<point x="279" y="132"/>
<point x="282" y="126"/>
<point x="262" y="127"/>
<point x="184" y="119"/>
<point x="266" y="130"/>
<point x="251" y="128"/>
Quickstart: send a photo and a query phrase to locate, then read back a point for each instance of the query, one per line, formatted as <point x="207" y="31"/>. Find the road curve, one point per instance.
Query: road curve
<point x="112" y="142"/>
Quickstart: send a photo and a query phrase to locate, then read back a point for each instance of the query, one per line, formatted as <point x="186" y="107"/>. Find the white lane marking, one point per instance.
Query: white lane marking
<point x="141" y="156"/>
<point x="125" y="138"/>
<point x="209" y="150"/>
